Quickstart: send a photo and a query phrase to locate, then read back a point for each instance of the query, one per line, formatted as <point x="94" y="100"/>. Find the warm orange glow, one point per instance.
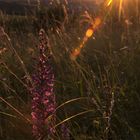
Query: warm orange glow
<point x="97" y="22"/>
<point x="89" y="33"/>
<point x="109" y="2"/>
<point x="75" y="53"/>
<point x="120" y="8"/>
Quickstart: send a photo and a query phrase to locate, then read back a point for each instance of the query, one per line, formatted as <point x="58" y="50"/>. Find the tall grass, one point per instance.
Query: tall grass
<point x="97" y="94"/>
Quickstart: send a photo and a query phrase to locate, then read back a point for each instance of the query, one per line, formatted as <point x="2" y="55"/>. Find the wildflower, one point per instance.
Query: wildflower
<point x="65" y="132"/>
<point x="43" y="98"/>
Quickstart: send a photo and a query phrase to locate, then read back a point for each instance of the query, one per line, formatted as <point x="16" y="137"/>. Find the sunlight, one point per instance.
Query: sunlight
<point x="89" y="33"/>
<point x="109" y="2"/>
<point x="120" y="8"/>
<point x="121" y="5"/>
<point x="96" y="23"/>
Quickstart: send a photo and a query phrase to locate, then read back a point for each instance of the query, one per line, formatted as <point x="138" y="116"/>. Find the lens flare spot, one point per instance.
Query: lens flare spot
<point x="89" y="33"/>
<point x="97" y="21"/>
<point x="76" y="51"/>
<point x="81" y="46"/>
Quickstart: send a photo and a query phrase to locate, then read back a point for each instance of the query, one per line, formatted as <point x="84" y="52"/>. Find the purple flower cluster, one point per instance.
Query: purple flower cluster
<point x="43" y="98"/>
<point x="65" y="132"/>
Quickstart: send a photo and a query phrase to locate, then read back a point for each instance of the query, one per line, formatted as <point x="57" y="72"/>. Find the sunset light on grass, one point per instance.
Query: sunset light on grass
<point x="109" y="2"/>
<point x="98" y="21"/>
<point x="69" y="69"/>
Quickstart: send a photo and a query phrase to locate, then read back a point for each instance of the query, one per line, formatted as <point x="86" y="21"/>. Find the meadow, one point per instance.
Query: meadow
<point x="96" y="72"/>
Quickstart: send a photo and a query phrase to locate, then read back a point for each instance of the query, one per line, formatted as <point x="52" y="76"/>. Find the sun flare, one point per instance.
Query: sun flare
<point x="109" y="2"/>
<point x="121" y="5"/>
<point x="88" y="34"/>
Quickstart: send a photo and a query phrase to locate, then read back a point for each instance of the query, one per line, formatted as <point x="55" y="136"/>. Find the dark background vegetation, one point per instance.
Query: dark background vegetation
<point x="109" y="63"/>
